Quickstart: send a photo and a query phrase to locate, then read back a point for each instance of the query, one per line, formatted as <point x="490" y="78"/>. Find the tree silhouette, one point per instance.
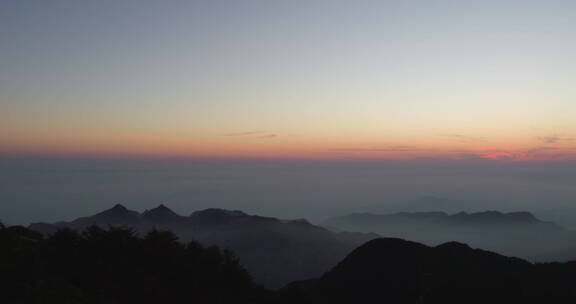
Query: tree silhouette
<point x="115" y="265"/>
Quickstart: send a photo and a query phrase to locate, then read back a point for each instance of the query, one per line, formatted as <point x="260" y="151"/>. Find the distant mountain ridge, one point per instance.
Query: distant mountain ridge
<point x="275" y="251"/>
<point x="514" y="233"/>
<point x="490" y="216"/>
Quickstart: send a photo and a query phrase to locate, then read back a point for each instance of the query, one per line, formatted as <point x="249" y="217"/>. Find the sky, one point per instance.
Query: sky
<point x="315" y="79"/>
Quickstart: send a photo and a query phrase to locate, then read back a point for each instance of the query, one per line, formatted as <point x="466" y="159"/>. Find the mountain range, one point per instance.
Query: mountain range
<point x="514" y="234"/>
<point x="274" y="251"/>
<point x="316" y="265"/>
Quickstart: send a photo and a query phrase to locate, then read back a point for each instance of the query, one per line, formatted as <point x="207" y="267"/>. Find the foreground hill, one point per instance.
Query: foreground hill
<point x="515" y="233"/>
<point x="390" y="270"/>
<point x="274" y="251"/>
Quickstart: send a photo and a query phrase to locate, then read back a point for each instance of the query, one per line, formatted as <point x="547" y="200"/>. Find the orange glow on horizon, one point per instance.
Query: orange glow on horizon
<point x="298" y="150"/>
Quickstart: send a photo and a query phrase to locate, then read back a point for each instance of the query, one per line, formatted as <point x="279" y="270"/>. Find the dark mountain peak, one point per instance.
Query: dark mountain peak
<point x="118" y="211"/>
<point x="160" y="214"/>
<point x="160" y="209"/>
<point x="119" y="207"/>
<point x="378" y="258"/>
<point x="386" y="247"/>
<point x="454" y="246"/>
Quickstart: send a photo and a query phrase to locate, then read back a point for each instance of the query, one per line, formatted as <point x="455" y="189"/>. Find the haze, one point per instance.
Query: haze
<point x="52" y="190"/>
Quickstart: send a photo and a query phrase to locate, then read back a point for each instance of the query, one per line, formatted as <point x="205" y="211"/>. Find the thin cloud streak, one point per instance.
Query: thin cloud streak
<point x="385" y="149"/>
<point x="465" y="138"/>
<point x="539" y="153"/>
<point x="268" y="136"/>
<point x="253" y="134"/>
<point x="553" y="139"/>
<point x="245" y="133"/>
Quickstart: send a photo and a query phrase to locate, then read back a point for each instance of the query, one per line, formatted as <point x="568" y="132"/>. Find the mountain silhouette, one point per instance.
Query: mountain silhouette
<point x="118" y="212"/>
<point x="398" y="271"/>
<point x="486" y="217"/>
<point x="116" y="265"/>
<point x="514" y="233"/>
<point x="495" y="217"/>
<point x="214" y="217"/>
<point x="275" y="251"/>
<point x="161" y="214"/>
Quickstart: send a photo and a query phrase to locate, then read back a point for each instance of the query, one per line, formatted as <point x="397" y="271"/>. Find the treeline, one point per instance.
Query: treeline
<point x="116" y="265"/>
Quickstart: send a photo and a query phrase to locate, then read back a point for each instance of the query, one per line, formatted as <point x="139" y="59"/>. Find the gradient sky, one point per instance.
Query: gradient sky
<point x="321" y="79"/>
